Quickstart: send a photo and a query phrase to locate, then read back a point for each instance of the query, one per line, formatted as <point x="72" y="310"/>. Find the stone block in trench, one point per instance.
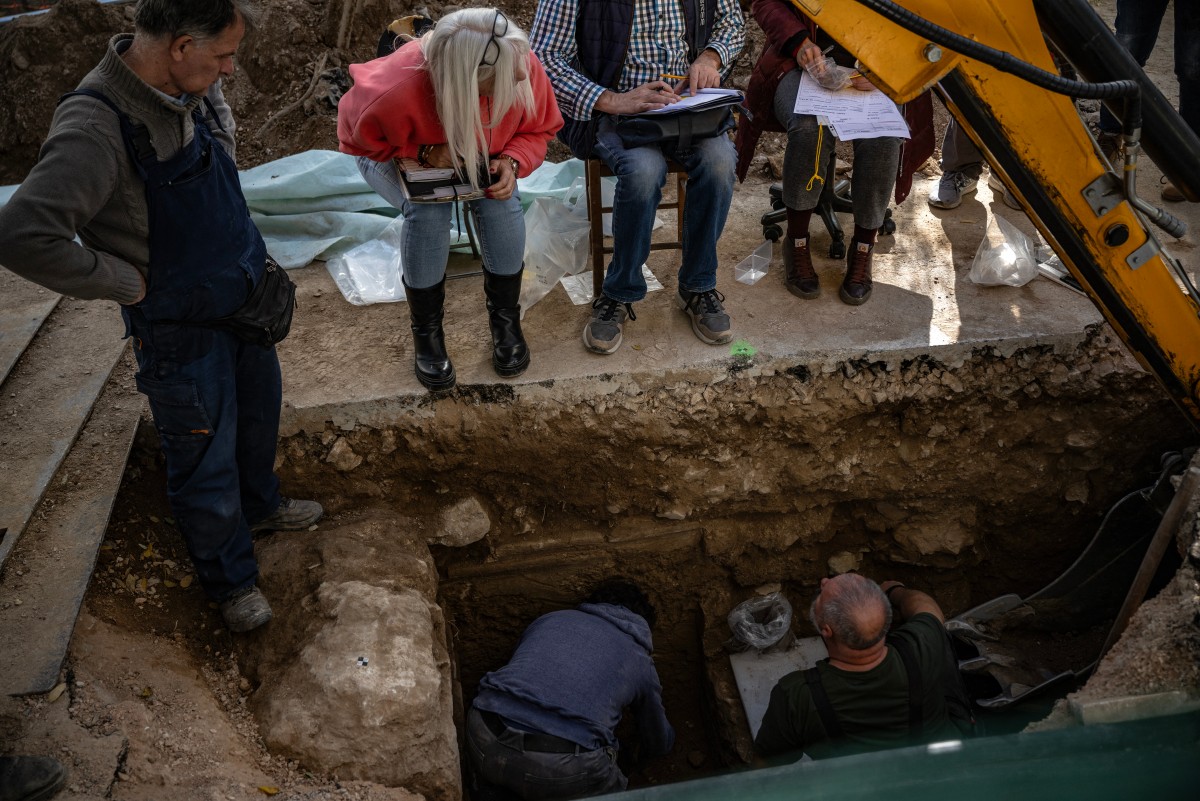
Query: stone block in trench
<point x="367" y="696"/>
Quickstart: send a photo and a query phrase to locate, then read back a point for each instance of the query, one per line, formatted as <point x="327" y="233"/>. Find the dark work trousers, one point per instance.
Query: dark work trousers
<point x="501" y="760"/>
<point x="217" y="416"/>
<point x="876" y="161"/>
<point x="959" y="153"/>
<point x="1137" y="27"/>
<point x="215" y="398"/>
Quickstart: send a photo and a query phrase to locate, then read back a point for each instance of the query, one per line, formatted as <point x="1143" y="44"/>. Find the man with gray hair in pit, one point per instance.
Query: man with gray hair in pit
<point x="877" y="689"/>
<point x="139" y="163"/>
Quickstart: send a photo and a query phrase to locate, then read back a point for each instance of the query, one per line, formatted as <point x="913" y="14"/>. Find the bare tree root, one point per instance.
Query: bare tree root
<point x="290" y="107"/>
<point x="349" y="9"/>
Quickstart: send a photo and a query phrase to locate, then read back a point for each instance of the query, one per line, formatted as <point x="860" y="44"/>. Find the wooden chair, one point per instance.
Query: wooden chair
<point x="594" y="170"/>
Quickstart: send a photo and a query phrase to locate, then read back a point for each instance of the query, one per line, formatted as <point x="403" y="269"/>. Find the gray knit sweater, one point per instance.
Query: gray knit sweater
<point x="84" y="183"/>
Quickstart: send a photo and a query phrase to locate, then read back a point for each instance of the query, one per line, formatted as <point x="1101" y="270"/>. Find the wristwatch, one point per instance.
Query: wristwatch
<point x="516" y="167"/>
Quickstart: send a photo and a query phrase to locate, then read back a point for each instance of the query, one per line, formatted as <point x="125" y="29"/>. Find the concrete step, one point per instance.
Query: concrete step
<point x="23" y="309"/>
<point x="48" y="571"/>
<point x="45" y="401"/>
<point x="65" y="435"/>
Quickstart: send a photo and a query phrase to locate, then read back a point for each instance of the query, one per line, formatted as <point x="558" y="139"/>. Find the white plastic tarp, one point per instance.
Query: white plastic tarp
<point x="316" y="205"/>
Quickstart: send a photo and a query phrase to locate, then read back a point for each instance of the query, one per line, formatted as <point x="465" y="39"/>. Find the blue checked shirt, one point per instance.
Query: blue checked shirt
<point x="657" y="45"/>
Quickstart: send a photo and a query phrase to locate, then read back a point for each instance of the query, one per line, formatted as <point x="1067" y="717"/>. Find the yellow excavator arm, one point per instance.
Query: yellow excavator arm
<point x="1035" y="140"/>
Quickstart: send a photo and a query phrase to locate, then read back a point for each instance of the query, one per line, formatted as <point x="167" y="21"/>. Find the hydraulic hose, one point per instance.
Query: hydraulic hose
<point x="1007" y="62"/>
<point x="1088" y="44"/>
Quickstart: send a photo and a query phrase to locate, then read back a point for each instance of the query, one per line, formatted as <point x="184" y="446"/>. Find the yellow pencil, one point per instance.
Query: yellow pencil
<point x="666" y="75"/>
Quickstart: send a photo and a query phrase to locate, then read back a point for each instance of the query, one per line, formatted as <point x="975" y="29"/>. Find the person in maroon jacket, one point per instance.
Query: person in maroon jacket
<point x="794" y="42"/>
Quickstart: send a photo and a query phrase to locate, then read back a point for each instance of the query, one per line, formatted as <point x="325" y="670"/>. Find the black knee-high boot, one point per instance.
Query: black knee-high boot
<point x="510" y="354"/>
<point x="433" y="366"/>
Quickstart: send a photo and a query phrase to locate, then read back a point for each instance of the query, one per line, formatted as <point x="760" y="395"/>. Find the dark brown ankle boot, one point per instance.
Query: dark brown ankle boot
<point x="799" y="276"/>
<point x="856" y="288"/>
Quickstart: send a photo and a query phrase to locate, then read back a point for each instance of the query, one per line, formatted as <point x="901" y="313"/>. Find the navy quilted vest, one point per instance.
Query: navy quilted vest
<point x="602" y="32"/>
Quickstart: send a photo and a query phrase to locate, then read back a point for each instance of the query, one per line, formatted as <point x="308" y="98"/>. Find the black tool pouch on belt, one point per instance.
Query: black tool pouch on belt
<point x="266" y="316"/>
<point x="683" y="128"/>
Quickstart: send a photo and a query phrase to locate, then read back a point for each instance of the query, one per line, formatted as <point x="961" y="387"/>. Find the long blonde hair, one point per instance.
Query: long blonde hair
<point x="454" y="51"/>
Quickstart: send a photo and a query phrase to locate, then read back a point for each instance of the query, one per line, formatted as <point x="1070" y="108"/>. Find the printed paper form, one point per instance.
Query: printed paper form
<point x="852" y="114"/>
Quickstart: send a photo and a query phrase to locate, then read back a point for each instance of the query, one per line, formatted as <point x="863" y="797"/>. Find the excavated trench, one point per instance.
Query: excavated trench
<point x="970" y="480"/>
<point x="458" y="521"/>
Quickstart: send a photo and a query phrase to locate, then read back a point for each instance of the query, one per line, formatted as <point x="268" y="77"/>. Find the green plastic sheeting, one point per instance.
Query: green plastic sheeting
<point x="1157" y="759"/>
<point x="316" y="205"/>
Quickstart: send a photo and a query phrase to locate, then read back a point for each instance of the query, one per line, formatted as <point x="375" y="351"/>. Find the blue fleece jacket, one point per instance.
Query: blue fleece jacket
<point x="575" y="671"/>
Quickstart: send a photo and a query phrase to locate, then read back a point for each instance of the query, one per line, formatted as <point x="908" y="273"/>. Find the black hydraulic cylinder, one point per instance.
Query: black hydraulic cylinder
<point x="1083" y="38"/>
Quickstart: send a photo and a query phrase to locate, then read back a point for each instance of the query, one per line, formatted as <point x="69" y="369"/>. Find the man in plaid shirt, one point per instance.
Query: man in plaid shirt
<point x="611" y="58"/>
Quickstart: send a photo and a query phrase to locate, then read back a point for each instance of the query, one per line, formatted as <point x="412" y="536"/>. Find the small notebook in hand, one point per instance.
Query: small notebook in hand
<point x="439" y="184"/>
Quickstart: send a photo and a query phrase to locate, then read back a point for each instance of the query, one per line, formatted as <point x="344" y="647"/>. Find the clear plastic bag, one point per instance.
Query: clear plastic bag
<point x="1004" y="257"/>
<point x="576" y="200"/>
<point x="556" y="244"/>
<point x="371" y="272"/>
<point x="760" y="623"/>
<point x="828" y="75"/>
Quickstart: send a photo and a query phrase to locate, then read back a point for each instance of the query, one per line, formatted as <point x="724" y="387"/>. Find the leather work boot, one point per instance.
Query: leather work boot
<point x="856" y="287"/>
<point x="30" y="778"/>
<point x="245" y="610"/>
<point x="1170" y="192"/>
<point x="290" y="515"/>
<point x="510" y="353"/>
<point x="432" y="363"/>
<point x="799" y="276"/>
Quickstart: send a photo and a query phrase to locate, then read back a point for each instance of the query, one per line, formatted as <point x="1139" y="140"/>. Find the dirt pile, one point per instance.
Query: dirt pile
<point x="291" y="70"/>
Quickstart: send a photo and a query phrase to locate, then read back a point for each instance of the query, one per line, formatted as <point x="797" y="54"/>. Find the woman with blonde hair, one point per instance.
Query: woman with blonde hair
<point x="491" y="105"/>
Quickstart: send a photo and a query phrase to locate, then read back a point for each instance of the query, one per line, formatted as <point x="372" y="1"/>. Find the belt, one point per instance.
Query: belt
<point x="531" y="741"/>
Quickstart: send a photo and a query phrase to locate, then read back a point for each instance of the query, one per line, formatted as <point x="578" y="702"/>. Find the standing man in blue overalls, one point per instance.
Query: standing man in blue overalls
<point x="139" y="163"/>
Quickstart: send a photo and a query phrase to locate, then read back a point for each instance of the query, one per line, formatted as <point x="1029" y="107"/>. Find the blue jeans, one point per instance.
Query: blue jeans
<point x="215" y="401"/>
<point x="425" y="235"/>
<point x="641" y="173"/>
<point x="1137" y="27"/>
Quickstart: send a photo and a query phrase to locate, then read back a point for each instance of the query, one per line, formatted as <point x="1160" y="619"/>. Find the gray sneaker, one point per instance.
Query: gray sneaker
<point x="290" y="515"/>
<point x="999" y="189"/>
<point x="246" y="610"/>
<point x="709" y="320"/>
<point x="602" y="334"/>
<point x="948" y="194"/>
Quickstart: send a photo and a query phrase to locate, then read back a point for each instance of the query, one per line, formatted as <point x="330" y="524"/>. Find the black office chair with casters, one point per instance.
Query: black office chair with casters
<point x="835" y="198"/>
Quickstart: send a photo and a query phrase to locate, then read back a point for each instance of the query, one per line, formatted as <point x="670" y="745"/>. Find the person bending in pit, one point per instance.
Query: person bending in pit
<point x="543" y="726"/>
<point x="793" y="42"/>
<point x="858" y="699"/>
<point x="491" y="102"/>
<point x="139" y="163"/>
<point x="609" y="59"/>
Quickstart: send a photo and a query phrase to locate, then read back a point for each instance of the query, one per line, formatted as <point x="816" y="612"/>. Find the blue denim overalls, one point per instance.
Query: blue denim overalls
<point x="215" y="398"/>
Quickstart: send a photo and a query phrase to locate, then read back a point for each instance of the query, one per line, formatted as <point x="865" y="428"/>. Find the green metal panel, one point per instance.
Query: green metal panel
<point x="1156" y="759"/>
